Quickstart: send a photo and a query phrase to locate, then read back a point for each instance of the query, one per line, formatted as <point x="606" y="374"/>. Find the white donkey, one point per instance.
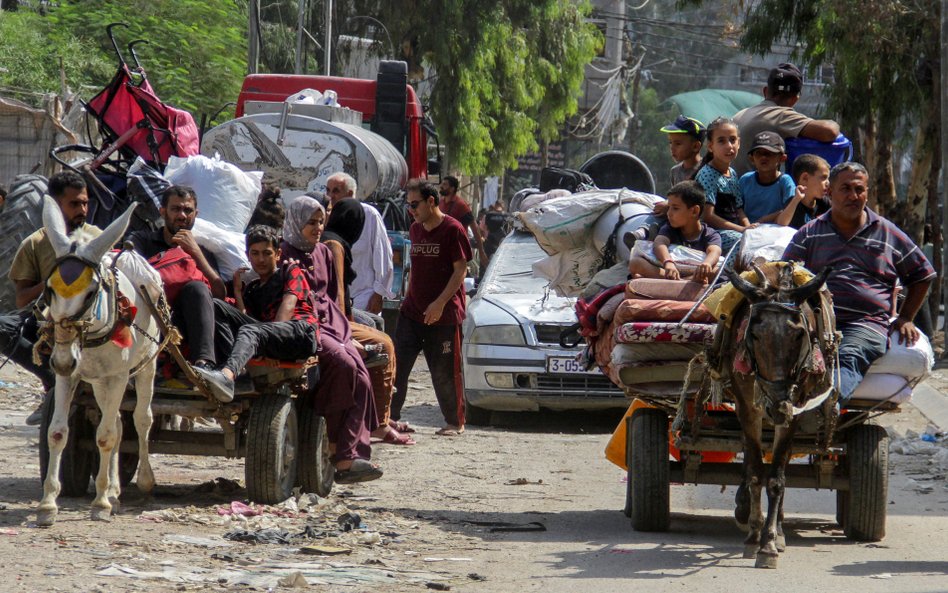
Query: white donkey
<point x="93" y="344"/>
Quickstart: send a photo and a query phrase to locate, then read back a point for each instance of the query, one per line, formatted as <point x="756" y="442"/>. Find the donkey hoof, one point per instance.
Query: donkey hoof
<point x="766" y="561"/>
<point x="750" y="551"/>
<point x="46" y="517"/>
<point x="101" y="514"/>
<point x="781" y="542"/>
<point x="116" y="505"/>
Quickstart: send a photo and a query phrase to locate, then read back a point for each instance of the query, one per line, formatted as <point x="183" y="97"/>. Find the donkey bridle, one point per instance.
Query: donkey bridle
<point x="104" y="281"/>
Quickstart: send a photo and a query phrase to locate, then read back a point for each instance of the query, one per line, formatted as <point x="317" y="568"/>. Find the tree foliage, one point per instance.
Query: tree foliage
<point x="195" y="56"/>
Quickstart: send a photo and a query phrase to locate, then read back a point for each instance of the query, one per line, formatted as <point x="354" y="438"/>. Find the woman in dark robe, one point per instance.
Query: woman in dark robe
<point x="302" y="232"/>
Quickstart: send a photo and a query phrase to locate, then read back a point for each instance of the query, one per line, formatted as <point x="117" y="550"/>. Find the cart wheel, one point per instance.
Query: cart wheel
<point x="316" y="469"/>
<point x="867" y="461"/>
<point x="649" y="483"/>
<point x="76" y="464"/>
<point x="476" y="416"/>
<point x="842" y="507"/>
<point x="271" y="464"/>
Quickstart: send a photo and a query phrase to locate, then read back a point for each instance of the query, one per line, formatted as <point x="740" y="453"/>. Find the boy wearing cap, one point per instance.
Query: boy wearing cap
<point x="766" y="190"/>
<point x="685" y="137"/>
<point x="776" y="114"/>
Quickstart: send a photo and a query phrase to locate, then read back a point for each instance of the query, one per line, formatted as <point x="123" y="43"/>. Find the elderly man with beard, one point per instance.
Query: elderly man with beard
<point x="33" y="263"/>
<point x="192" y="304"/>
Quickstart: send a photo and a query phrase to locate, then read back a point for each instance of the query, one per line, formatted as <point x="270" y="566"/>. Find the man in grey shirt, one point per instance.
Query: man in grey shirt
<point x="776" y="114"/>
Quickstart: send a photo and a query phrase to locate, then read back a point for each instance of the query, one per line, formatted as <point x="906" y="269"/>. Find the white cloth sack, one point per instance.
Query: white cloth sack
<point x="137" y="269"/>
<point x="569" y="271"/>
<point x="912" y="362"/>
<point x="227" y="246"/>
<point x="686" y="259"/>
<point x="565" y="223"/>
<point x="226" y="195"/>
<point x="879" y="386"/>
<point x="768" y="241"/>
<point x="534" y="200"/>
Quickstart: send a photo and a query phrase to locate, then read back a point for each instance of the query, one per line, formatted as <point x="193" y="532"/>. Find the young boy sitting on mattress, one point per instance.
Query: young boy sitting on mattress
<point x="685" y="228"/>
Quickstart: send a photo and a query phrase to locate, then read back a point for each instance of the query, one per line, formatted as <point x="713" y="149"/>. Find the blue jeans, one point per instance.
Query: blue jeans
<point x="860" y="347"/>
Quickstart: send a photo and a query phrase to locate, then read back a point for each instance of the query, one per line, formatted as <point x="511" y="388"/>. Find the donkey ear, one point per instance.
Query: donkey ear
<point x="55" y="227"/>
<point x="96" y="248"/>
<point x="753" y="293"/>
<point x="805" y="291"/>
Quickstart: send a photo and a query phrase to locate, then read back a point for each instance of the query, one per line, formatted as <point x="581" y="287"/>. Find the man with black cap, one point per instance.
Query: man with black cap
<point x="776" y="114"/>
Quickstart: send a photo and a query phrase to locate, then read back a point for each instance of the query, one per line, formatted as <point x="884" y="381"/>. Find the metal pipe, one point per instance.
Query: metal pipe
<point x="253" y="47"/>
<point x="327" y="46"/>
<point x="299" y="36"/>
<point x="943" y="81"/>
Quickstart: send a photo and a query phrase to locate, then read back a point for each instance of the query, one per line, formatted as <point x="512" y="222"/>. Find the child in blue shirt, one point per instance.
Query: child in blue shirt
<point x="766" y="190"/>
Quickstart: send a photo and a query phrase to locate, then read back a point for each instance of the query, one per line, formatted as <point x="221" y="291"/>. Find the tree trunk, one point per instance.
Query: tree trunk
<point x="911" y="218"/>
<point x="882" y="182"/>
<point x="10" y="5"/>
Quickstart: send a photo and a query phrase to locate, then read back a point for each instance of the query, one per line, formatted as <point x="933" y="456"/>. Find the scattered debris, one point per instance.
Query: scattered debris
<point x="523" y="482"/>
<point x="203" y="542"/>
<point x="295" y="580"/>
<point x="502" y="526"/>
<point x="350" y="521"/>
<point x="438" y="586"/>
<point x="325" y="550"/>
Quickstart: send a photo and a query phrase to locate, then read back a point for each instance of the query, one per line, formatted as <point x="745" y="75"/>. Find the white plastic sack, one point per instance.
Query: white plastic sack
<point x="569" y="271"/>
<point x="686" y="259"/>
<point x="912" y="362"/>
<point x="768" y="241"/>
<point x="880" y="386"/>
<point x="227" y="246"/>
<point x="226" y="195"/>
<point x="534" y="200"/>
<point x="137" y="269"/>
<point x="561" y="224"/>
<point x="305" y="97"/>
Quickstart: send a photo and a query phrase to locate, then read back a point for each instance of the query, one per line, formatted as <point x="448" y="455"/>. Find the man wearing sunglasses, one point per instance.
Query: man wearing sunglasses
<point x="434" y="307"/>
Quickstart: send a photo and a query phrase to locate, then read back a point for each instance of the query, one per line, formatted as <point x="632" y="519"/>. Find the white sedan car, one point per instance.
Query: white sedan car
<point x="511" y="352"/>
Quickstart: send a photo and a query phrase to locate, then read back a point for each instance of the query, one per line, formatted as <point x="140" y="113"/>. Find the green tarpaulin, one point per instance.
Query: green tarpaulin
<point x="707" y="104"/>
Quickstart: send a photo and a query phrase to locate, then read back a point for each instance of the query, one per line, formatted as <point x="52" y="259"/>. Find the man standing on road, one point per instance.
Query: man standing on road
<point x="192" y="306"/>
<point x="868" y="254"/>
<point x="371" y="253"/>
<point x="432" y="312"/>
<point x="32" y="265"/>
<point x="453" y="205"/>
<point x="776" y="114"/>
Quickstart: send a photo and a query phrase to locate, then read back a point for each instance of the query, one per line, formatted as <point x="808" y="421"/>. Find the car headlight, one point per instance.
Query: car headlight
<point x="510" y="335"/>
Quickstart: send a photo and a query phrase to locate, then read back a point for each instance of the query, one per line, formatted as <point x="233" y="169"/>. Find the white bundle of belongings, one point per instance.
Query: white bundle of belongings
<point x="766" y="242"/>
<point x="893" y="376"/>
<point x="226" y="195"/>
<point x="137" y="269"/>
<point x="565" y="227"/>
<point x="228" y="247"/>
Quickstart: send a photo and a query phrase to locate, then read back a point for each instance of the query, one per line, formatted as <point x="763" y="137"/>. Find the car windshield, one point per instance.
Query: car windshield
<point x="511" y="270"/>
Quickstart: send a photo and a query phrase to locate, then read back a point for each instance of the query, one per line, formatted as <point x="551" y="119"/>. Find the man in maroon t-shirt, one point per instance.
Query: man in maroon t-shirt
<point x="453" y="205"/>
<point x="432" y="312"/>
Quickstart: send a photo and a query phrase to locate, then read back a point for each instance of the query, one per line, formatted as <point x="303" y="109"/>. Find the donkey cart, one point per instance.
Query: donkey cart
<point x="270" y="423"/>
<point x="854" y="464"/>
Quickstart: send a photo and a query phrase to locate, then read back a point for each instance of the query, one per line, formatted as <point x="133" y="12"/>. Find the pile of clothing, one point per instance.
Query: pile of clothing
<point x="642" y="343"/>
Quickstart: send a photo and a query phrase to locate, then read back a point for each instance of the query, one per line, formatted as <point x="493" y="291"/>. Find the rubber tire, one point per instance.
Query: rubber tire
<point x="476" y="416"/>
<point x="316" y="469"/>
<point x="867" y="464"/>
<point x="272" y="446"/>
<point x="649" y="482"/>
<point x="842" y="507"/>
<point x="22" y="214"/>
<point x="76" y="465"/>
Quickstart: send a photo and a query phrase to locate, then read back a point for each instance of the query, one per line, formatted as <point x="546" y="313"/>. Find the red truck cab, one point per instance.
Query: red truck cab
<point x="379" y="102"/>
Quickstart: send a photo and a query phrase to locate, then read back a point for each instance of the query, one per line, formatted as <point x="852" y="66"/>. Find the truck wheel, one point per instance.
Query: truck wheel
<point x="867" y="464"/>
<point x="22" y="214"/>
<point x="316" y="469"/>
<point x="476" y="416"/>
<point x="842" y="507"/>
<point x="649" y="482"/>
<point x="272" y="437"/>
<point x="76" y="464"/>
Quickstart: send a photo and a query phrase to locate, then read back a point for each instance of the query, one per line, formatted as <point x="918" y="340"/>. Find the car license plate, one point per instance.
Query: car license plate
<point x="564" y="364"/>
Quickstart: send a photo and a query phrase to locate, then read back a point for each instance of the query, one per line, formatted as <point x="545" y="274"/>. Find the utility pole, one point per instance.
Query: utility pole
<point x="327" y="46"/>
<point x="253" y="48"/>
<point x="299" y="36"/>
<point x="943" y="81"/>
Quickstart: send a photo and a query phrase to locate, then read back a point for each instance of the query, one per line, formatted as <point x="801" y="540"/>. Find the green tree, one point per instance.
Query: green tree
<point x="505" y="72"/>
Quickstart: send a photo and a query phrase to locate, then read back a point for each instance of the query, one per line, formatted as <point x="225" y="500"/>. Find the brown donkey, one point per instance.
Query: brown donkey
<point x="775" y="359"/>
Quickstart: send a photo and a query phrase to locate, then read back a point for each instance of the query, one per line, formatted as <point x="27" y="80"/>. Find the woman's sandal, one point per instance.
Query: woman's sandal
<point x="361" y="470"/>
<point x="395" y="438"/>
<point x="400" y="426"/>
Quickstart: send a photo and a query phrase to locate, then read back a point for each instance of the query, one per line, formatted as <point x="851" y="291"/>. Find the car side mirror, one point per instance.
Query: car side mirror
<point x="434" y="167"/>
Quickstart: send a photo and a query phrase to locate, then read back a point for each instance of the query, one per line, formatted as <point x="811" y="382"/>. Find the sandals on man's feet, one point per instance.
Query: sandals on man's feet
<point x="451" y="431"/>
<point x="361" y="470"/>
<point x="400" y="426"/>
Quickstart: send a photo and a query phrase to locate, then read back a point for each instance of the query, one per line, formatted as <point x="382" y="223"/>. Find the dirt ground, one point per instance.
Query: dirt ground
<point x="529" y="504"/>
